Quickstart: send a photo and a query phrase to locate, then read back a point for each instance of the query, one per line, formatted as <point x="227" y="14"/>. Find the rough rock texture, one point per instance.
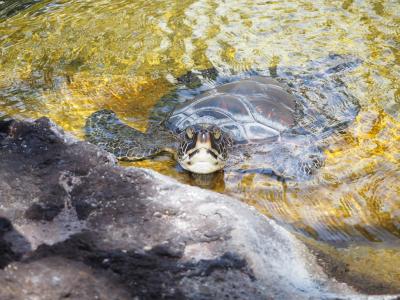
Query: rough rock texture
<point x="74" y="225"/>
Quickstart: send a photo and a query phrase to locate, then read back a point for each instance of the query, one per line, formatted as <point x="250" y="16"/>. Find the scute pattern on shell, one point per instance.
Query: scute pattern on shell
<point x="251" y="110"/>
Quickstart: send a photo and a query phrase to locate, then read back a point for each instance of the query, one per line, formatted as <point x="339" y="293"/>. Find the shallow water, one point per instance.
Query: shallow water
<point x="67" y="59"/>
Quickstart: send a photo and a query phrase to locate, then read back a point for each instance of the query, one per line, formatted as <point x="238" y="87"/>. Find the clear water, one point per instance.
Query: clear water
<point x="67" y="59"/>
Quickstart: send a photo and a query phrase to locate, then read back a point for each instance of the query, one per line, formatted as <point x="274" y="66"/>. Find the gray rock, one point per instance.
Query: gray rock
<point x="58" y="278"/>
<point x="74" y="224"/>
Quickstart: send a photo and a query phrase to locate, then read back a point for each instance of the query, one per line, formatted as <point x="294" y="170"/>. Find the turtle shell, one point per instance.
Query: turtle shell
<point x="251" y="110"/>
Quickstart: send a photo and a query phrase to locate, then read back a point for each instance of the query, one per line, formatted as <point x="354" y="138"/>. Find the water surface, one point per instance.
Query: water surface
<point x="67" y="59"/>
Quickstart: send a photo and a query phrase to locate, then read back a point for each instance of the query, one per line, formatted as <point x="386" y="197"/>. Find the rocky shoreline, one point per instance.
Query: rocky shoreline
<point x="75" y="225"/>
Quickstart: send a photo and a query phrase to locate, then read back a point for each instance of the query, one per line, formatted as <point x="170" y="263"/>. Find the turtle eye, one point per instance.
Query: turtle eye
<point x="217" y="133"/>
<point x="189" y="132"/>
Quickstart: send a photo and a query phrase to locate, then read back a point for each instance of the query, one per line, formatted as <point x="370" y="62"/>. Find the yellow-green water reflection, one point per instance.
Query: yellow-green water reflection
<point x="66" y="59"/>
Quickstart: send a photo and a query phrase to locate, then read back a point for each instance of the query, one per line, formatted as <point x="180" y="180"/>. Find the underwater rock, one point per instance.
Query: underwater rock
<point x="9" y="8"/>
<point x="75" y="225"/>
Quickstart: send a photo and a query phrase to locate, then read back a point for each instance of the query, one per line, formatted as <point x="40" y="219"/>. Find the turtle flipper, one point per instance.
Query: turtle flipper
<point x="103" y="128"/>
<point x="297" y="164"/>
<point x="297" y="158"/>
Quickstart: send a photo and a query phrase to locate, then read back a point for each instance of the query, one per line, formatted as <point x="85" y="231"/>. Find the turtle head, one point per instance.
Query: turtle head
<point x="203" y="148"/>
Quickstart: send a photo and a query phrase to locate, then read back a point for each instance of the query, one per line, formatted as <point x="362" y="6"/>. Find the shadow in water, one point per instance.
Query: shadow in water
<point x="212" y="181"/>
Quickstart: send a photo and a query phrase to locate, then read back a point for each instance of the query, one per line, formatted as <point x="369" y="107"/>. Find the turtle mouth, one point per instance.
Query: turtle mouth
<point x="202" y="161"/>
<point x="212" y="152"/>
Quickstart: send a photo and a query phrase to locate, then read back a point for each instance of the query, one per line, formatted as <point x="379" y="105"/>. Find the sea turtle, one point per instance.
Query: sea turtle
<point x="252" y="118"/>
